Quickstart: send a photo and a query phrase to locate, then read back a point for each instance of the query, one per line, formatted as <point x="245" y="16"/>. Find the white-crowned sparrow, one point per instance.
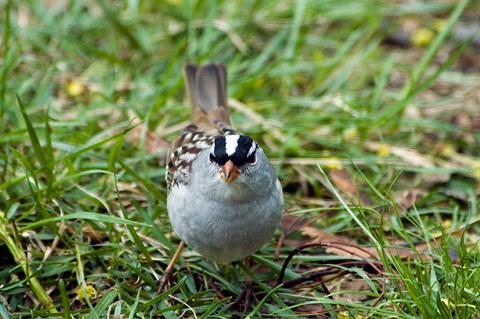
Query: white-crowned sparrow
<point x="224" y="199"/>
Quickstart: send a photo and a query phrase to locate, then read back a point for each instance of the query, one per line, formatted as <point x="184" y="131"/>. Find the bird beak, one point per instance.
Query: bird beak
<point x="229" y="172"/>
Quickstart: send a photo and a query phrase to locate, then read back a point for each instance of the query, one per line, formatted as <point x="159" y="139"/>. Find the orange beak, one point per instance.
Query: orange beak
<point x="229" y="172"/>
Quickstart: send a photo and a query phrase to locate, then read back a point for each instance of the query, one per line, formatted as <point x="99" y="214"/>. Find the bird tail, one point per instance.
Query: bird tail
<point x="207" y="90"/>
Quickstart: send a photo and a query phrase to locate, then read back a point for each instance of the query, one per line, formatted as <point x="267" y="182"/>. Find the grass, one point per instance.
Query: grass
<point x="376" y="144"/>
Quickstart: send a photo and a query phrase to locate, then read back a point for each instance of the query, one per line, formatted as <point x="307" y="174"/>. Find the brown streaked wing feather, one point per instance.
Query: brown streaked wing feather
<point x="185" y="148"/>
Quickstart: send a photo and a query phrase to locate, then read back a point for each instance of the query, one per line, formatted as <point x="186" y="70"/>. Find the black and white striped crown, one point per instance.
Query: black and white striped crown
<point x="240" y="149"/>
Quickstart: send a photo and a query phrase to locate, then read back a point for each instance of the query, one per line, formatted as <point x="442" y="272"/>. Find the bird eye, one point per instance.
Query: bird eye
<point x="252" y="159"/>
<point x="211" y="158"/>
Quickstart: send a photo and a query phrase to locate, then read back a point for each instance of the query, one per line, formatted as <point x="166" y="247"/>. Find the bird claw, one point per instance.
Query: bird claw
<point x="167" y="277"/>
<point x="166" y="280"/>
<point x="242" y="301"/>
<point x="246" y="297"/>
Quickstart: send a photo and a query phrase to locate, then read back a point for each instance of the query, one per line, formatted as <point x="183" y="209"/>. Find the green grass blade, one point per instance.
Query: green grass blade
<point x="163" y="295"/>
<point x="433" y="48"/>
<point x="82" y="216"/>
<point x="263" y="301"/>
<point x="409" y="87"/>
<point x="103" y="305"/>
<point x="5" y="65"/>
<point x="139" y="243"/>
<point x="208" y="31"/>
<point x="33" y="136"/>
<point x="49" y="156"/>
<point x="27" y="165"/>
<point x="148" y="280"/>
<point x="64" y="298"/>
<point x="71" y="41"/>
<point x="135" y="305"/>
<point x="212" y="308"/>
<point x="431" y="79"/>
<point x="155" y="229"/>
<point x="21" y="259"/>
<point x="259" y="62"/>
<point x="115" y="154"/>
<point x="144" y="182"/>
<point x="3" y="311"/>
<point x="289" y="52"/>
<point x="120" y="27"/>
<point x="347" y="208"/>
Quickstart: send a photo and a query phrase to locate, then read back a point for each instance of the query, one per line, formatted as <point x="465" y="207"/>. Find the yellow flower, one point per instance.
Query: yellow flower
<point x="333" y="163"/>
<point x="344" y="315"/>
<point x="91" y="293"/>
<point x="350" y="133"/>
<point x="422" y="37"/>
<point x="318" y="56"/>
<point x="476" y="173"/>
<point x="259" y="83"/>
<point x="447" y="223"/>
<point x="446" y="302"/>
<point x="473" y="163"/>
<point x="75" y="88"/>
<point x="448" y="150"/>
<point x="384" y="150"/>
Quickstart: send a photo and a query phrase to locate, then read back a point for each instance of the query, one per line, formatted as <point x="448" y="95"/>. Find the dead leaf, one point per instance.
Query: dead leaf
<point x="407" y="198"/>
<point x="128" y="187"/>
<point x="310" y="309"/>
<point x="354" y="284"/>
<point x="153" y="143"/>
<point x="89" y="231"/>
<point x="343" y="247"/>
<point x="345" y="181"/>
<point x="92" y="233"/>
<point x="323" y="236"/>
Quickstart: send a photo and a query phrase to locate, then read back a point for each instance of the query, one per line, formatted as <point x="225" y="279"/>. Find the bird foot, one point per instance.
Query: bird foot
<point x="243" y="300"/>
<point x="245" y="297"/>
<point x="167" y="279"/>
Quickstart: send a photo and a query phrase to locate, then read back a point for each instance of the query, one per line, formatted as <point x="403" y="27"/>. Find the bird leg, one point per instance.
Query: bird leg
<point x="168" y="272"/>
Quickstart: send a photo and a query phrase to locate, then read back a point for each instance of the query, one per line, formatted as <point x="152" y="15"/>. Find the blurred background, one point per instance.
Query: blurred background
<point x="368" y="82"/>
